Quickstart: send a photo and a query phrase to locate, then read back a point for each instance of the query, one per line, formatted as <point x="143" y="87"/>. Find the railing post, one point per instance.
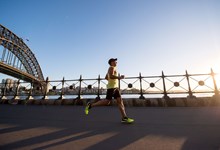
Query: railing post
<point x="119" y="82"/>
<point x="62" y="90"/>
<point x="141" y="89"/>
<point x="189" y="87"/>
<point x="98" y="94"/>
<point x="164" y="86"/>
<point x="45" y="89"/>
<point x="80" y="84"/>
<point x="216" y="91"/>
<point x="168" y="101"/>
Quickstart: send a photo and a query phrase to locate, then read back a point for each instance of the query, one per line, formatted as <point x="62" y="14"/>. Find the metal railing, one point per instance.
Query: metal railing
<point x="186" y="85"/>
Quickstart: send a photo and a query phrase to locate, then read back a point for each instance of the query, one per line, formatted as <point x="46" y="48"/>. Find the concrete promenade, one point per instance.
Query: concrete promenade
<point x="25" y="127"/>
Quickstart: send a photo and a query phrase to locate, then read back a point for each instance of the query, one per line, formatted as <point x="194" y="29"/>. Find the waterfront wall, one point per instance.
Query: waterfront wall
<point x="128" y="102"/>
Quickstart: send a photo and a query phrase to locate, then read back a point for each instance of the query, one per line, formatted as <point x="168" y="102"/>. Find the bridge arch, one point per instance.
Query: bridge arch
<point x="15" y="47"/>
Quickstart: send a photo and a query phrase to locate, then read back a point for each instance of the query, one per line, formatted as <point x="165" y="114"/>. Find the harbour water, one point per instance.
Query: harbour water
<point x="134" y="96"/>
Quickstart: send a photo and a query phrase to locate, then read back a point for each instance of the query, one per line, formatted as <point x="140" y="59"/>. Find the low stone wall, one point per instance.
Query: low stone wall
<point x="151" y="102"/>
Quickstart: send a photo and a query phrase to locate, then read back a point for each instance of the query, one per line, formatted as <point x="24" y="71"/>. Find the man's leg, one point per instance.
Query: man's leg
<point x="98" y="103"/>
<point x="121" y="107"/>
<point x="105" y="102"/>
<point x="101" y="103"/>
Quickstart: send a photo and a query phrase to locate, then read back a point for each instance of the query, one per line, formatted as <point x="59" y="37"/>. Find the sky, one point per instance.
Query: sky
<point x="77" y="37"/>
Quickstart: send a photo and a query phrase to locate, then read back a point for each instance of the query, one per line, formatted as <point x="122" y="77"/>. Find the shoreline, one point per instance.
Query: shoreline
<point x="128" y="102"/>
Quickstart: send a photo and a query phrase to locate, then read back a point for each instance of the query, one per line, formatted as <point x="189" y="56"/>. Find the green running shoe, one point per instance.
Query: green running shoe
<point x="88" y="106"/>
<point x="127" y="120"/>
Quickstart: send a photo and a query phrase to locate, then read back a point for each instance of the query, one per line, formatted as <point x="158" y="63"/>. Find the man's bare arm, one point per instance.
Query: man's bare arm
<point x="111" y="74"/>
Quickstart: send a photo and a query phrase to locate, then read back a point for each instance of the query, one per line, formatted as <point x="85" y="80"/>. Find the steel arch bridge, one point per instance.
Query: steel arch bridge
<point x="16" y="58"/>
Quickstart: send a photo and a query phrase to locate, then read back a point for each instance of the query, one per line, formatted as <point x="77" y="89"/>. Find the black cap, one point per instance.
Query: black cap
<point x="111" y="60"/>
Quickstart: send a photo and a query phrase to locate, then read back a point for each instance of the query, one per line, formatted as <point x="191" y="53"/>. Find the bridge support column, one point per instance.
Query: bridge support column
<point x="15" y="99"/>
<point x="46" y="89"/>
<point x="3" y="97"/>
<point x="30" y="97"/>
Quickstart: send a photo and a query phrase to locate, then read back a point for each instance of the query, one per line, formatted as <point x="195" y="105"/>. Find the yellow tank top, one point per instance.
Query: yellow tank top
<point x="113" y="83"/>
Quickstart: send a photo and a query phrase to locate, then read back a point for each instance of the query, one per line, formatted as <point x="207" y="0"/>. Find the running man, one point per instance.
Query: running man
<point x="112" y="91"/>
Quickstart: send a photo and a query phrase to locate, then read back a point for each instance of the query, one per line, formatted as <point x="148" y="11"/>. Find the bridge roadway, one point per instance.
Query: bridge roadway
<point x="66" y="127"/>
<point x="9" y="70"/>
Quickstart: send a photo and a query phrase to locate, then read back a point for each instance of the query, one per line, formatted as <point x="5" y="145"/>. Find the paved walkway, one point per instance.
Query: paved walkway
<point x="66" y="127"/>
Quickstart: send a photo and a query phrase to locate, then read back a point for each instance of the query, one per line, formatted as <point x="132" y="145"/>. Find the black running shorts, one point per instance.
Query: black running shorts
<point x="113" y="93"/>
